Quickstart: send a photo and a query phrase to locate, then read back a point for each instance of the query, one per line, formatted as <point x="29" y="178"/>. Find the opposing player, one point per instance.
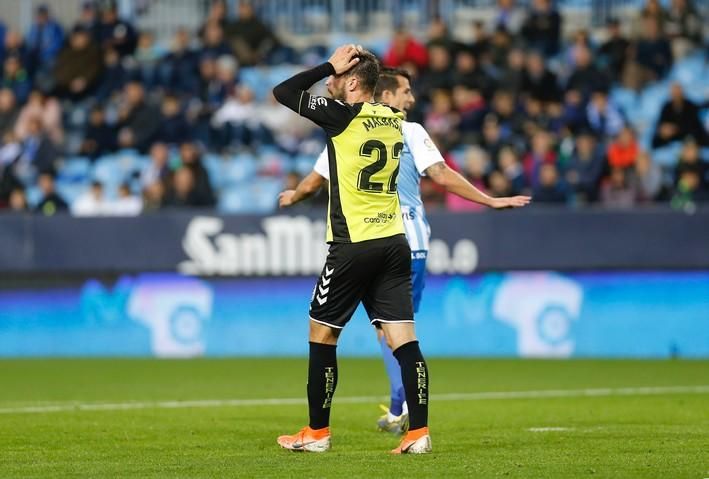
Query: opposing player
<point x="369" y="258"/>
<point x="418" y="157"/>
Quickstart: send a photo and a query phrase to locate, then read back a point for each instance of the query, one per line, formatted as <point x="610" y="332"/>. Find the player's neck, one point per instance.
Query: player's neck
<point x="358" y="96"/>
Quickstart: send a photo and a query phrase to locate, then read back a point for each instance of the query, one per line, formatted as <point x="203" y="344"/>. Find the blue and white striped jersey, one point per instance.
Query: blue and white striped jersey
<point x="418" y="154"/>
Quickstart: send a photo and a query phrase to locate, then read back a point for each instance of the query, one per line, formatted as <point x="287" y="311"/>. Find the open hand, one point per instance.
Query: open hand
<point x="344" y="58"/>
<point x="510" y="202"/>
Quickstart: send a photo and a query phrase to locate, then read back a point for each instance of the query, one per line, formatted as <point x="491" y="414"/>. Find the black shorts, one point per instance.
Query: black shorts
<point x="375" y="272"/>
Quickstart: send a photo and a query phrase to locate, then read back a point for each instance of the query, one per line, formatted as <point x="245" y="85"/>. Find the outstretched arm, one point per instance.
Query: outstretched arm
<point x="455" y="183"/>
<point x="305" y="189"/>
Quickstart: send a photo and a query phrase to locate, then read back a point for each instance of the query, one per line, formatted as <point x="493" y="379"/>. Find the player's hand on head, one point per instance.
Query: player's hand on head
<point x="344" y="58"/>
<point x="511" y="202"/>
<point x="285" y="198"/>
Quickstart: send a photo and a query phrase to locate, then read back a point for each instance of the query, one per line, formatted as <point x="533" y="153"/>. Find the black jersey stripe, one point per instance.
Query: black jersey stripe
<point x="338" y="223"/>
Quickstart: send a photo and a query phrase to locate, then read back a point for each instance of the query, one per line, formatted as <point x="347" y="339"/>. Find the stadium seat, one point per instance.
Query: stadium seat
<point x="75" y="169"/>
<point x="667" y="156"/>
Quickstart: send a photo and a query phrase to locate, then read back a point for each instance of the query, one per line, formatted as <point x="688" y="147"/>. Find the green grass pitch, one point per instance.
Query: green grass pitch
<point x="109" y="418"/>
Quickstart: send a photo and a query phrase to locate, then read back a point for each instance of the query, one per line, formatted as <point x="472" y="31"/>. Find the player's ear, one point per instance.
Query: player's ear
<point x="352" y="83"/>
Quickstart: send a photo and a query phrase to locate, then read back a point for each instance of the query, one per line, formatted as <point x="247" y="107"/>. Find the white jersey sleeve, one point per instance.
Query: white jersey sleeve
<point x="322" y="166"/>
<point x="421" y="146"/>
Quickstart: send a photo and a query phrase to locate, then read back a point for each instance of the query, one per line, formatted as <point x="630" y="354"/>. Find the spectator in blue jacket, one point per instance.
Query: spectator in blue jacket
<point x="44" y="39"/>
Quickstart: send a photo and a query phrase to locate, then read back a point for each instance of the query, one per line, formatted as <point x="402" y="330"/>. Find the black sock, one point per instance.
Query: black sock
<point x="414" y="374"/>
<point x="322" y="380"/>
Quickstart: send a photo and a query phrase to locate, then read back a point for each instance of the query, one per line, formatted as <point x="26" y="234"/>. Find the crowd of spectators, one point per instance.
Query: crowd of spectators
<point x="517" y="109"/>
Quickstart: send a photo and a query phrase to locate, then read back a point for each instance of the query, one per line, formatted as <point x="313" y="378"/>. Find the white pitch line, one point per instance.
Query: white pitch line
<point x="479" y="396"/>
<point x="550" y="429"/>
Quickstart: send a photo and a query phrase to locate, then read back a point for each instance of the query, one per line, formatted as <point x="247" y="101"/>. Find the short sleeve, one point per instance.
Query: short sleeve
<point x="322" y="165"/>
<point x="421" y="146"/>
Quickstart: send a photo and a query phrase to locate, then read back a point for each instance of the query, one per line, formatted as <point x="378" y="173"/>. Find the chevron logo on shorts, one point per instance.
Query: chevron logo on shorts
<point x="325" y="279"/>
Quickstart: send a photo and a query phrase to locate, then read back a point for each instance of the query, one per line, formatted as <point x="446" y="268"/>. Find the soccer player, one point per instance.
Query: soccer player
<point x="369" y="258"/>
<point x="419" y="156"/>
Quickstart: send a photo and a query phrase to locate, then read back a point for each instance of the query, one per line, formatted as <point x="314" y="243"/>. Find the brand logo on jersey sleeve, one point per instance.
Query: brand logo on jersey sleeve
<point x="316" y="101"/>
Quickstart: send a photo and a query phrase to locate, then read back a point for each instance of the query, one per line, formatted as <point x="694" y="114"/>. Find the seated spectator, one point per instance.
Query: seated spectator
<point x="689" y="160"/>
<point x="689" y="191"/>
<point x="585" y="167"/>
<point x="679" y="119"/>
<point x="114" y="76"/>
<point x="441" y="121"/>
<point x="179" y="69"/>
<point x="154" y="197"/>
<point x="217" y="14"/>
<point x="16" y="78"/>
<point x="91" y="203"/>
<point x="614" y="51"/>
<point x="127" y="204"/>
<point x="683" y="26"/>
<point x="138" y="120"/>
<point x="201" y="190"/>
<point x="9" y="111"/>
<point x="618" y="191"/>
<point x="653" y="56"/>
<point x="585" y="77"/>
<point x="539" y="83"/>
<point x="278" y="127"/>
<point x="470" y="105"/>
<point x="508" y="16"/>
<point x="542" y="28"/>
<point x="500" y="185"/>
<point x="174" y="128"/>
<point x="550" y="188"/>
<point x="510" y="166"/>
<point x="18" y="201"/>
<point x="504" y="108"/>
<point x="512" y="76"/>
<point x="183" y="192"/>
<point x="147" y="58"/>
<point x="100" y="138"/>
<point x="497" y="50"/>
<point x="89" y="20"/>
<point x="648" y="177"/>
<point x="38" y="150"/>
<point x="14" y="46"/>
<point x="158" y="171"/>
<point x="438" y="33"/>
<point x="404" y="49"/>
<point x="468" y="73"/>
<point x="78" y="66"/>
<point x="116" y="33"/>
<point x="542" y="153"/>
<point x="604" y="119"/>
<point x="213" y="43"/>
<point x="475" y="168"/>
<point x="623" y="151"/>
<point x="48" y="110"/>
<point x="51" y="203"/>
<point x="653" y="9"/>
<point x="44" y="40"/>
<point x="252" y="41"/>
<point x="237" y="120"/>
<point x="439" y="75"/>
<point x="9" y="153"/>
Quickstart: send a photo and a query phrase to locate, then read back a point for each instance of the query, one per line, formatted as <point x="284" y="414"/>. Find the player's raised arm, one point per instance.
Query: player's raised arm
<point x="330" y="114"/>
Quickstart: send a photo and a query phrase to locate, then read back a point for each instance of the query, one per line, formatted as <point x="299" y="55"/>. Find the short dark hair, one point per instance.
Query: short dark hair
<point x="366" y="70"/>
<point x="389" y="80"/>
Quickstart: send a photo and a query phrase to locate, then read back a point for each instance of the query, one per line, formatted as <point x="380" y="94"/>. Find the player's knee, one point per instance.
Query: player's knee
<point x="323" y="334"/>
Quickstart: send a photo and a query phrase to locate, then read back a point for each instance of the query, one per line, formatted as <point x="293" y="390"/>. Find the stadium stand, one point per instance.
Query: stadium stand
<point x="564" y="101"/>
